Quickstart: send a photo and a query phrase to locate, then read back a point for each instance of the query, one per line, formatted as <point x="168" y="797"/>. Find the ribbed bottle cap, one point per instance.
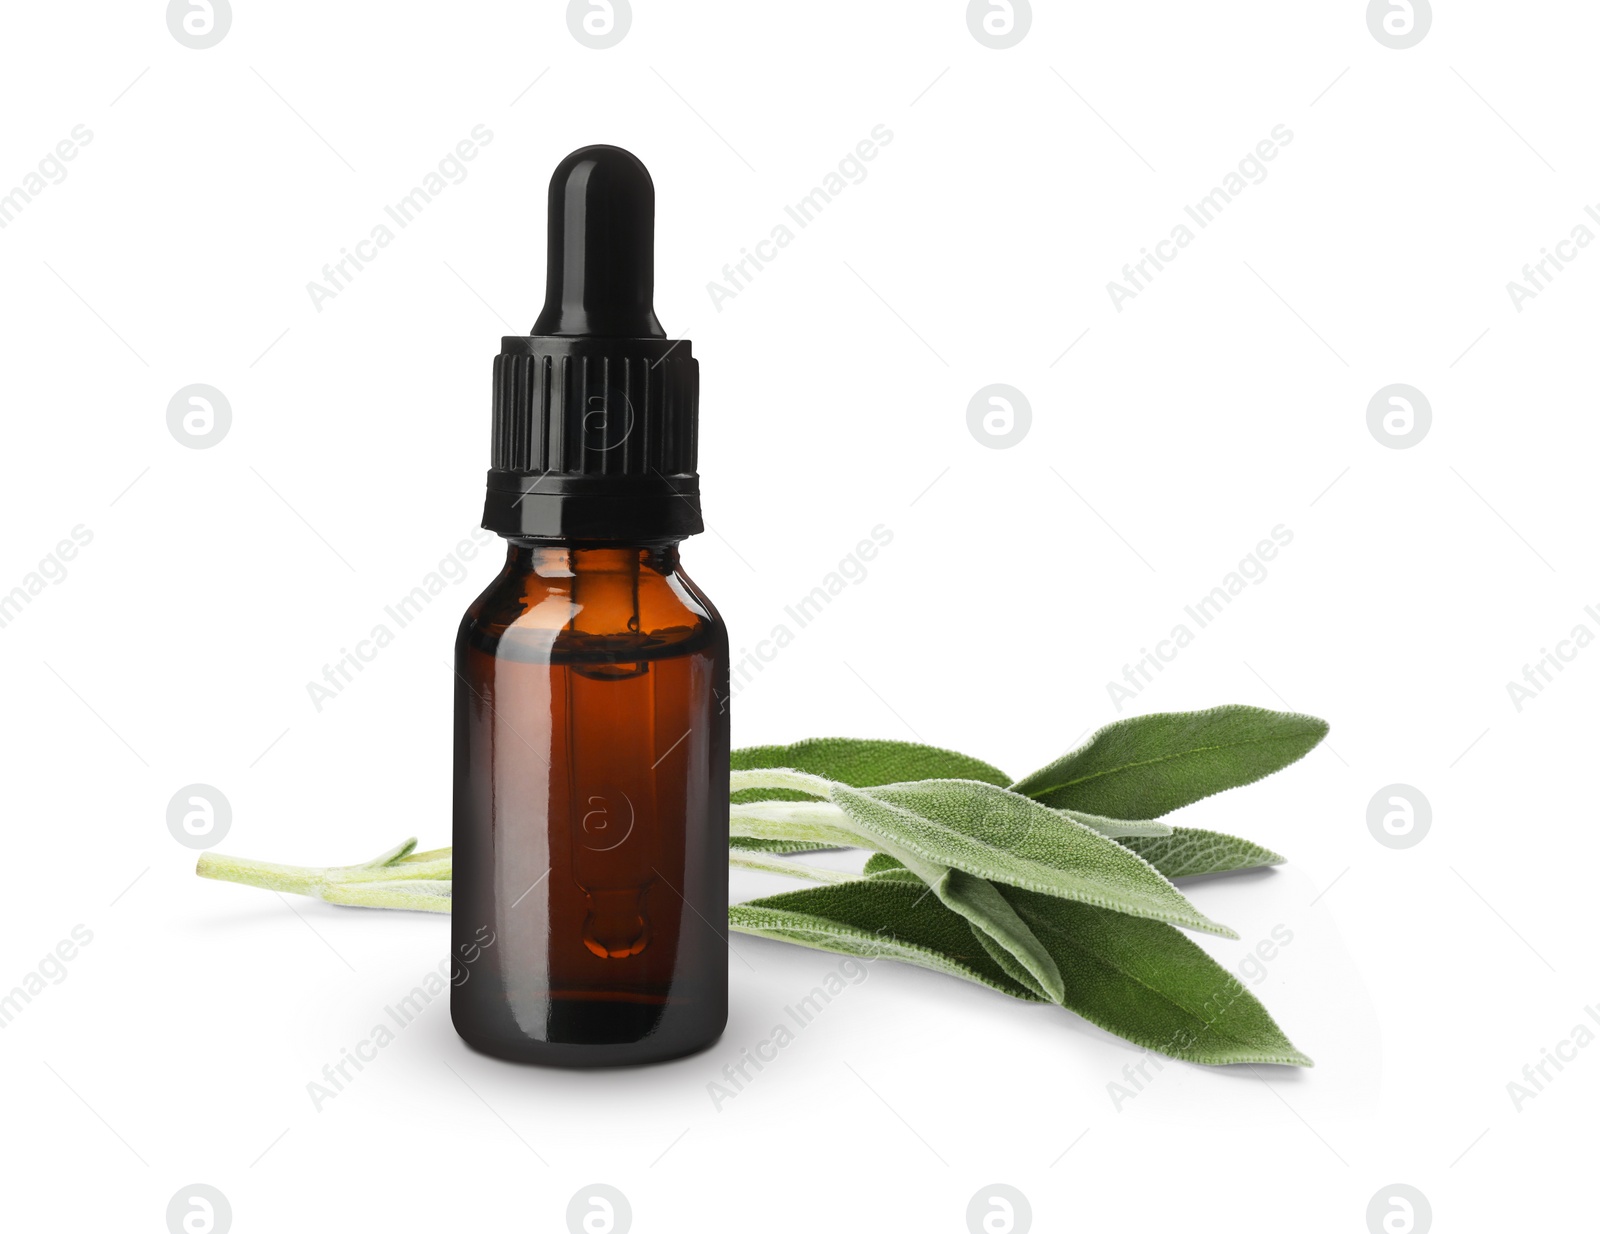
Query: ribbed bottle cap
<point x="596" y="412"/>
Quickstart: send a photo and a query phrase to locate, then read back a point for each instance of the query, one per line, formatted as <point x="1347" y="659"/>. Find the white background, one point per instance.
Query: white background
<point x="1228" y="398"/>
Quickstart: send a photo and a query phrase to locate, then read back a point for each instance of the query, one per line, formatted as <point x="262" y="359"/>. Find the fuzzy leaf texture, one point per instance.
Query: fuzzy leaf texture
<point x="858" y="762"/>
<point x="1191" y="851"/>
<point x="868" y="763"/>
<point x="1147" y="982"/>
<point x="861" y="763"/>
<point x="1000" y="836"/>
<point x="959" y="837"/>
<point x="877" y="918"/>
<point x="750" y="844"/>
<point x="1147" y="766"/>
<point x="1142" y="980"/>
<point x="1117" y="828"/>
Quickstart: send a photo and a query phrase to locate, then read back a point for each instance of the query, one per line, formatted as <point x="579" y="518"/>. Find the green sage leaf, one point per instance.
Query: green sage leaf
<point x="991" y="920"/>
<point x="861" y="763"/>
<point x="996" y="926"/>
<point x="1192" y="851"/>
<point x="1147" y="982"/>
<point x="813" y="821"/>
<point x="750" y="844"/>
<point x="1147" y="766"/>
<point x="1142" y="980"/>
<point x="1000" y="836"/>
<point x="898" y="920"/>
<point x="958" y="835"/>
<point x="1117" y="828"/>
<point x="885" y="866"/>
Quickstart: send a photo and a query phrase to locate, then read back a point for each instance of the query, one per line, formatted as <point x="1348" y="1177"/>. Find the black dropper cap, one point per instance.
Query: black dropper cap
<point x="595" y="411"/>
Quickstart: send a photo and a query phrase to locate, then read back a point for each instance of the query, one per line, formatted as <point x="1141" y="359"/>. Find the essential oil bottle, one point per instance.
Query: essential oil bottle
<point x="591" y="732"/>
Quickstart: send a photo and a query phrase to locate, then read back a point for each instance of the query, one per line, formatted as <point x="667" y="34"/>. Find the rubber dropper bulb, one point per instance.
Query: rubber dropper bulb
<point x="600" y="280"/>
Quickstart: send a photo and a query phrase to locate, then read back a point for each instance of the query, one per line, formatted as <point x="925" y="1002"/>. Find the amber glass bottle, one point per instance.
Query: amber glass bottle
<point x="591" y="739"/>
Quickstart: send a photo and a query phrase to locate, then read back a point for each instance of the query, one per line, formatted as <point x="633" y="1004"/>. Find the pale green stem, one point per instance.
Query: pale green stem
<point x="433" y="854"/>
<point x="815" y="822"/>
<point x="392" y="867"/>
<point x="436" y="869"/>
<point x="302" y="880"/>
<point x="421" y="895"/>
<point x="772" y="864"/>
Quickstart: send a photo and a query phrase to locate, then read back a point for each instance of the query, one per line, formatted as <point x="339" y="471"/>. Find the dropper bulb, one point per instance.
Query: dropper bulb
<point x="600" y="280"/>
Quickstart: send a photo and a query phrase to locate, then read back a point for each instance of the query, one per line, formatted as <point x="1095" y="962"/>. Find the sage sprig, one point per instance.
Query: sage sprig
<point x="1142" y="980"/>
<point x="1054" y="888"/>
<point x="399" y="877"/>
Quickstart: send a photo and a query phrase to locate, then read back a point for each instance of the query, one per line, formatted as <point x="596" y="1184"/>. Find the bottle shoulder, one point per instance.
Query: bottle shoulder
<point x="640" y="608"/>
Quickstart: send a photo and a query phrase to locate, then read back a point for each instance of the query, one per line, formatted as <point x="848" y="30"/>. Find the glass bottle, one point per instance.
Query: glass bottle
<point x="591" y="808"/>
<point x="590" y="899"/>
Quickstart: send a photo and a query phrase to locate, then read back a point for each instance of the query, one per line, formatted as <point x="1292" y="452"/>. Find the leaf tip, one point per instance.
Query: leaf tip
<point x="1216" y="927"/>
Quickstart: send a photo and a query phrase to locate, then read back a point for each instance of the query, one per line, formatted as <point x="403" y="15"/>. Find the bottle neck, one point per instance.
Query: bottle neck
<point x="568" y="560"/>
<point x="604" y="590"/>
<point x="573" y="560"/>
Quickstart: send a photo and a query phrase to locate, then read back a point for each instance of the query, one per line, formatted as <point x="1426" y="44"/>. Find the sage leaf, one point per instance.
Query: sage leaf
<point x="807" y="810"/>
<point x="1192" y="851"/>
<point x="1148" y="983"/>
<point x="881" y="865"/>
<point x="1117" y="828"/>
<point x="862" y="763"/>
<point x="1003" y="837"/>
<point x="750" y="844"/>
<point x="1142" y="980"/>
<point x="958" y="835"/>
<point x="996" y="926"/>
<point x="1147" y="766"/>
<point x="1007" y="940"/>
<point x="873" y="918"/>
